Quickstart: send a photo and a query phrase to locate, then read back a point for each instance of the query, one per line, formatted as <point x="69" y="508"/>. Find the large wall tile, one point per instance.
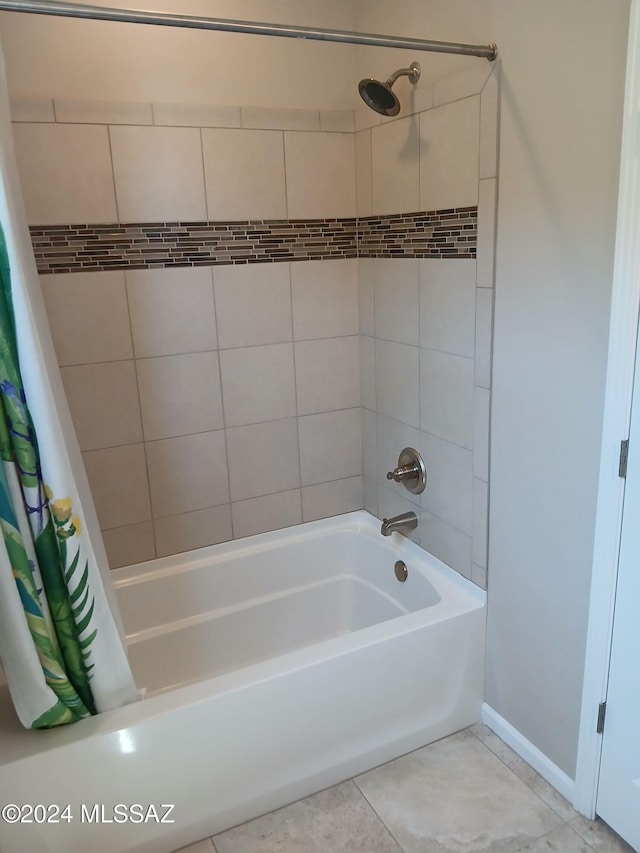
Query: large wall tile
<point x="446" y="543"/>
<point x="88" y="316"/>
<point x="335" y="498"/>
<point x="369" y="444"/>
<point x="364" y="182"/>
<point x="489" y="110"/>
<point x="480" y="522"/>
<point x="258" y="384"/>
<point x="446" y="396"/>
<point x="479" y="576"/>
<point x="196" y="529"/>
<point x="484" y="333"/>
<point x="449" y="161"/>
<point x="263" y="459"/>
<point x="264" y="287"/>
<point x="83" y="111"/>
<point x="365" y="118"/>
<point x="320" y="174"/>
<point x="392" y="436"/>
<point x="158" y="173"/>
<point x="396" y="166"/>
<point x="370" y="496"/>
<point x="366" y="296"/>
<point x="448" y="305"/>
<point x="420" y="97"/>
<point x="31" y="109"/>
<point x="337" y="121"/>
<point x="368" y="372"/>
<point x="244" y="172"/>
<point x="270" y="118"/>
<point x="462" y="85"/>
<point x="196" y="115"/>
<point x="103" y="399"/>
<point x="397" y="295"/>
<point x="118" y="480"/>
<point x="330" y="446"/>
<point x="172" y="311"/>
<point x="325" y="299"/>
<point x="327" y="374"/>
<point x="257" y="515"/>
<point x="187" y="473"/>
<point x="65" y="172"/>
<point x="481" y="434"/>
<point x="128" y="545"/>
<point x="486" y="232"/>
<point x="180" y="394"/>
<point x="449" y="488"/>
<point x="397" y="381"/>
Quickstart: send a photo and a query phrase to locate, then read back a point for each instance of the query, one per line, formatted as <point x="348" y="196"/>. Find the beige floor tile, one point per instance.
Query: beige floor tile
<point x="563" y="840"/>
<point x="338" y="819"/>
<point x="205" y="846"/>
<point x="456" y="795"/>
<point x="599" y="836"/>
<point x="525" y="772"/>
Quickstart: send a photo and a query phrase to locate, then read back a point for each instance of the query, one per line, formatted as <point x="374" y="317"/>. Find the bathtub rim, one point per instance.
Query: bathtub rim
<point x="359" y="521"/>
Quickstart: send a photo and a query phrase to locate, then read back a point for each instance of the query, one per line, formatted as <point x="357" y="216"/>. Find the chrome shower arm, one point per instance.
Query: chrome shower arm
<point x="412" y="72"/>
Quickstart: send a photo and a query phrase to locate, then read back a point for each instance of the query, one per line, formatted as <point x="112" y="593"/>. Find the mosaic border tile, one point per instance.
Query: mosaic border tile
<point x="452" y="232"/>
<point x="84" y="248"/>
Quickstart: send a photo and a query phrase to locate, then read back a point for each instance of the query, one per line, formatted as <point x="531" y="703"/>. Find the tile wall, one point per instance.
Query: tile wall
<point x="204" y="399"/>
<point x="426" y="323"/>
<point x="209" y="402"/>
<point x="215" y="398"/>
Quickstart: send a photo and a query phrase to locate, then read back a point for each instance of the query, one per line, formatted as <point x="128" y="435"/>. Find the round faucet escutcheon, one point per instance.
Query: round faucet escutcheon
<point x="411" y="471"/>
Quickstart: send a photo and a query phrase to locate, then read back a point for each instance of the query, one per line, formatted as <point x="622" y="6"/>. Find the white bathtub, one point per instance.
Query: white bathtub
<point x="274" y="666"/>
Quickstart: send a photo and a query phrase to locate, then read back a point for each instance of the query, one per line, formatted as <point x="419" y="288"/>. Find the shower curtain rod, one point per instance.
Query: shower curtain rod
<point x="136" y="16"/>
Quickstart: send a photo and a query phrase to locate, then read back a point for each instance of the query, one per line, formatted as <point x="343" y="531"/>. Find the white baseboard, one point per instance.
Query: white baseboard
<point x="530" y="753"/>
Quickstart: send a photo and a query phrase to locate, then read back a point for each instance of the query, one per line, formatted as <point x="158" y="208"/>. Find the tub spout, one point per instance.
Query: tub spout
<point x="401" y="523"/>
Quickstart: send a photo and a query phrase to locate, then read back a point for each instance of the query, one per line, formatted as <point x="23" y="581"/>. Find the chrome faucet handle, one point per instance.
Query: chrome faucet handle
<point x="411" y="471"/>
<point x="406" y="472"/>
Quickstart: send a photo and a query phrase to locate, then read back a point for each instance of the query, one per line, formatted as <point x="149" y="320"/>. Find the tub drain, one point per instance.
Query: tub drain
<point x="401" y="570"/>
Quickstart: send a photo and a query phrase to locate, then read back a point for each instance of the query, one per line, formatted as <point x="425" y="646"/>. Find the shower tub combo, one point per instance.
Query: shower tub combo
<point x="274" y="666"/>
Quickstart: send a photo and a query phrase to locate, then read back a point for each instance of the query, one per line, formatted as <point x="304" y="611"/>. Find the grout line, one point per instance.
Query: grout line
<point x="142" y="429"/>
<point x="372" y="807"/>
<point x="224" y="418"/>
<point x="295" y="389"/>
<point x="113" y="173"/>
<point x="204" y="173"/>
<point x="219" y="349"/>
<point x="425" y="432"/>
<point x="155" y="518"/>
<point x="284" y="172"/>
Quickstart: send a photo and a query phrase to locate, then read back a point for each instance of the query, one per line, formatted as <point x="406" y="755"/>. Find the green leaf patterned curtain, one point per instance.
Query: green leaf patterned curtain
<point x="57" y="621"/>
<point x="60" y="647"/>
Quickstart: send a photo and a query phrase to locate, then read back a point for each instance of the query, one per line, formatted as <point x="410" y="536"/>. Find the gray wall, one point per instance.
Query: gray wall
<point x="561" y="107"/>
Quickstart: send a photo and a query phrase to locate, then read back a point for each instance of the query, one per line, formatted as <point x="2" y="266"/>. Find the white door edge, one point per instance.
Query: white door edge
<point x="625" y="304"/>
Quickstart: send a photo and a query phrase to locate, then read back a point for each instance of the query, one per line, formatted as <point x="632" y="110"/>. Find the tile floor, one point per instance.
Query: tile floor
<point x="468" y="792"/>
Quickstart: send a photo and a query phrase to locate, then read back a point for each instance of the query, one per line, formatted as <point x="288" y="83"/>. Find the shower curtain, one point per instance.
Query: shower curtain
<point x="60" y="641"/>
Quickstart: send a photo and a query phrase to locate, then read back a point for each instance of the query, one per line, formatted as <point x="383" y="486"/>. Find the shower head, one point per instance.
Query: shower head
<point x="380" y="96"/>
